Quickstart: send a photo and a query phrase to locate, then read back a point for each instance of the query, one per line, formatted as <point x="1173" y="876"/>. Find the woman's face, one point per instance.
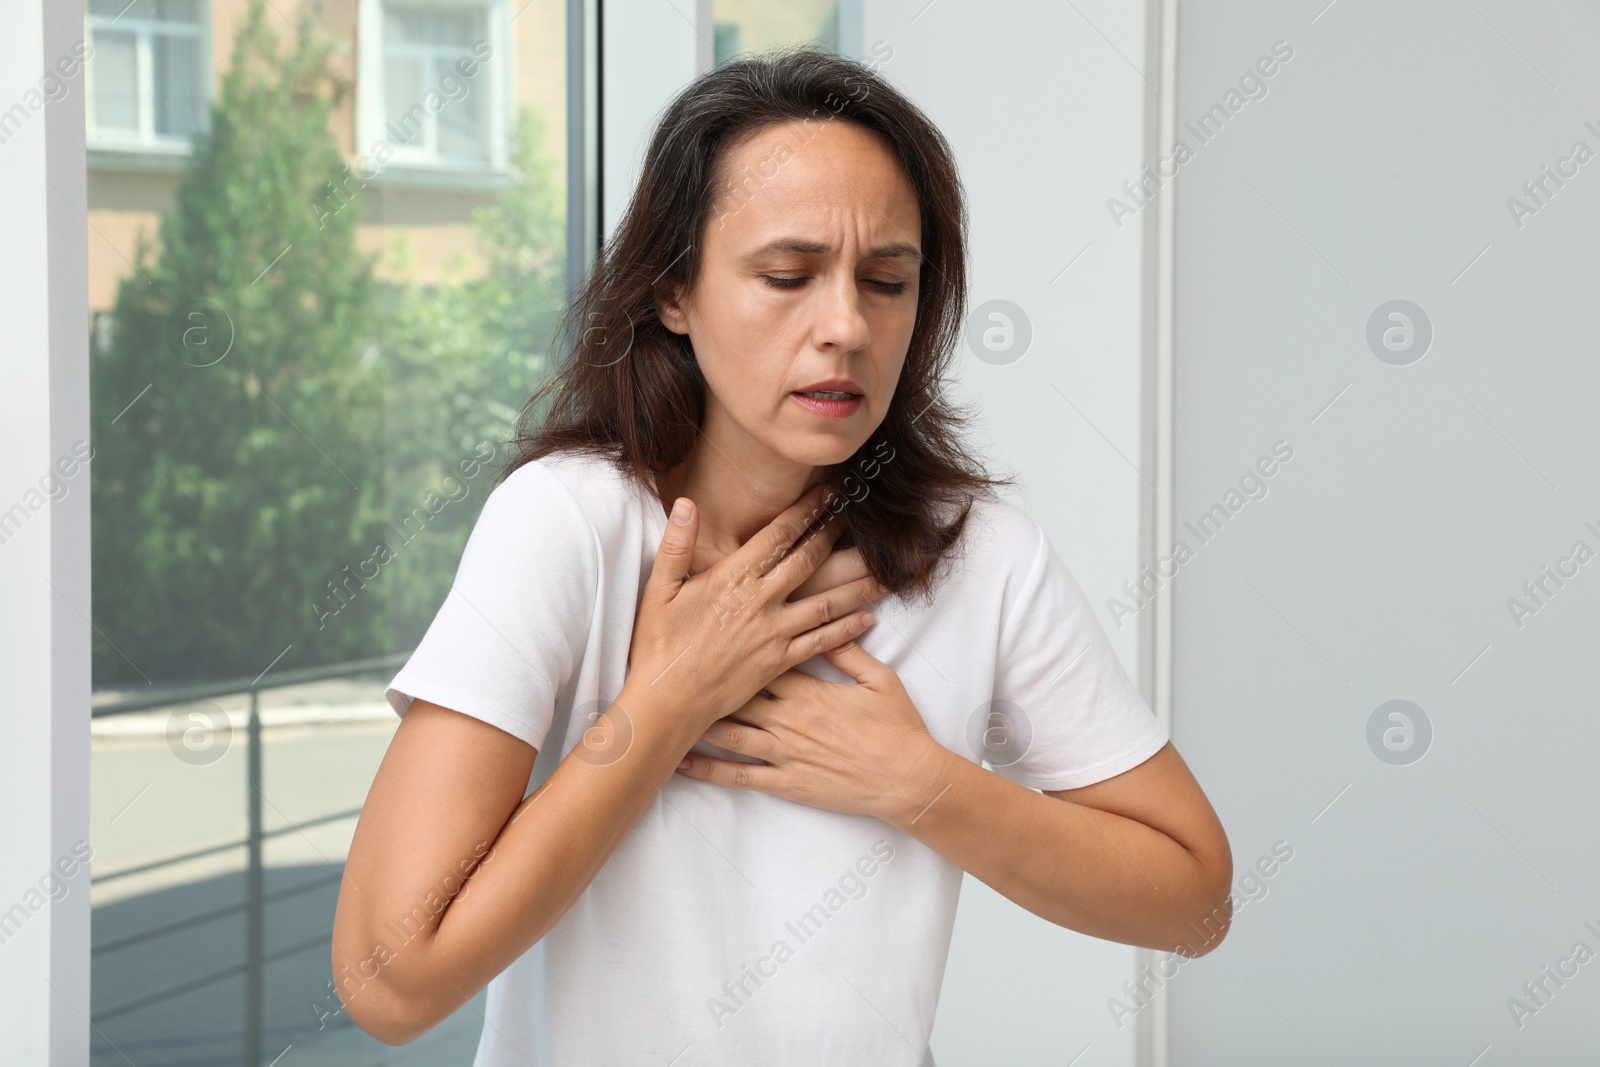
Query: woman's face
<point x="808" y="279"/>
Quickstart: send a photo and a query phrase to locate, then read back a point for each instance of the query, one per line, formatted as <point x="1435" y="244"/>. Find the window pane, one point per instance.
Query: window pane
<point x="727" y="44"/>
<point x="461" y="127"/>
<point x="304" y="397"/>
<point x="430" y="107"/>
<point x="175" y="74"/>
<point x="756" y="25"/>
<point x="459" y="26"/>
<point x="160" y="10"/>
<point x="116" y="82"/>
<point x="405" y="114"/>
<point x="173" y="10"/>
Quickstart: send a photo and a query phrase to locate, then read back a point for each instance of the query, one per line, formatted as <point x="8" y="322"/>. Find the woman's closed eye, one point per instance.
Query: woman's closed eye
<point x="796" y="281"/>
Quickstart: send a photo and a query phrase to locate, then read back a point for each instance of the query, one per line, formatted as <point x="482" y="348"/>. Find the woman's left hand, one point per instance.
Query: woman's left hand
<point x="859" y="749"/>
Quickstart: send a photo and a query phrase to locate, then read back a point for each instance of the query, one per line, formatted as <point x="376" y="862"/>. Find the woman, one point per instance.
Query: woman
<point x="737" y="860"/>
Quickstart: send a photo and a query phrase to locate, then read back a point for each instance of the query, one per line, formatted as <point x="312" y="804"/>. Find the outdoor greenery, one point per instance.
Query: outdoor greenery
<point x="305" y="425"/>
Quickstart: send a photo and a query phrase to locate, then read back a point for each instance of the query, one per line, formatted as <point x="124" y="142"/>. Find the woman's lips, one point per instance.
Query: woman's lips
<point x="831" y="409"/>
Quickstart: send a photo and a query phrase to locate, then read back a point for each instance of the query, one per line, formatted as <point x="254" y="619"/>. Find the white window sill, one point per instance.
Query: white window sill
<point x="172" y="157"/>
<point x="168" y="157"/>
<point x="443" y="175"/>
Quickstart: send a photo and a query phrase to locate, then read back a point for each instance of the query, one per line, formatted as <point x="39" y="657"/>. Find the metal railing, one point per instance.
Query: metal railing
<point x="255" y="897"/>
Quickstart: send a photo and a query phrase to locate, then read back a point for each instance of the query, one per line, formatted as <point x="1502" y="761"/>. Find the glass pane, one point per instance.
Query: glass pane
<point x="726" y="43"/>
<point x="160" y="10"/>
<point x="461" y="127"/>
<point x="116" y="81"/>
<point x="405" y="114"/>
<point x="301" y="395"/>
<point x="173" y="10"/>
<point x="756" y="25"/>
<point x="458" y="26"/>
<point x="175" y="74"/>
<point x="430" y="106"/>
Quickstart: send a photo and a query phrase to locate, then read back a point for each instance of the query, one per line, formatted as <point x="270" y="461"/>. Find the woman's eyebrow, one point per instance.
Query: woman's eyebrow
<point x="800" y="246"/>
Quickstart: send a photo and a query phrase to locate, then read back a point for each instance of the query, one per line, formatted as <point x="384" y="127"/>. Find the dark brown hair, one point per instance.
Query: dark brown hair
<point x="630" y="388"/>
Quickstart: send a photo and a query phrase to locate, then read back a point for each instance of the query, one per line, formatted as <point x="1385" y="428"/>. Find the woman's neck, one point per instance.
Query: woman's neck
<point x="736" y="498"/>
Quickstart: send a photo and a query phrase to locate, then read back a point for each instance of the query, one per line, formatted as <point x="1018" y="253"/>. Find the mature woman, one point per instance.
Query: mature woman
<point x="751" y="848"/>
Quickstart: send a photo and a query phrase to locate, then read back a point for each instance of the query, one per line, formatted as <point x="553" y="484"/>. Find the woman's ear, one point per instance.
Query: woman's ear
<point x="669" y="308"/>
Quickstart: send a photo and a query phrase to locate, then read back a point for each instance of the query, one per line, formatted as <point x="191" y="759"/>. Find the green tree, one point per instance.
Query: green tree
<point x="246" y="466"/>
<point x="459" y="360"/>
<point x="307" y="460"/>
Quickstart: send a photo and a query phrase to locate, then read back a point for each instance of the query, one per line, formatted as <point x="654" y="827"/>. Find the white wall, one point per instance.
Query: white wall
<point x="1418" y="501"/>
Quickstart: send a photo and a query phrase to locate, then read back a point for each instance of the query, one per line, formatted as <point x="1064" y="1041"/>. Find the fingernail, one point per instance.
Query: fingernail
<point x="882" y="589"/>
<point x="683" y="764"/>
<point x="680" y="512"/>
<point x="868" y="619"/>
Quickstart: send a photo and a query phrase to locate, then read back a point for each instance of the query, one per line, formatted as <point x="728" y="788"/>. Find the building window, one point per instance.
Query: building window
<point x="149" y="75"/>
<point x="434" y="110"/>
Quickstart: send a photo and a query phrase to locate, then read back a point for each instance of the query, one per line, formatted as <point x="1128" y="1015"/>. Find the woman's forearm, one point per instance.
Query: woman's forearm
<point x="427" y="956"/>
<point x="1090" y="870"/>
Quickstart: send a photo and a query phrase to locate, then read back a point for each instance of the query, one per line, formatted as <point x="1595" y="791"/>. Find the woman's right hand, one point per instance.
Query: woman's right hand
<point x="710" y="641"/>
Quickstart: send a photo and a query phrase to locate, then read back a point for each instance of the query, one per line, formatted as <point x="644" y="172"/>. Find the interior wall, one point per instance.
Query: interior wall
<point x="1429" y="468"/>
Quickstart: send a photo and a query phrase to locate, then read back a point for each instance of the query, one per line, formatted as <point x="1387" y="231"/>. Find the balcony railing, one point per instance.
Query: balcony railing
<point x="254" y="956"/>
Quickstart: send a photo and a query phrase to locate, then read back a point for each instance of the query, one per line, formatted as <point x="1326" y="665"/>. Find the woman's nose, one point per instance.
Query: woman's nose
<point x="840" y="320"/>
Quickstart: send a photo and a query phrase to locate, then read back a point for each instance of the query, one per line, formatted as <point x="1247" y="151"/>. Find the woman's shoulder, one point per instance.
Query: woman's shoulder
<point x="995" y="550"/>
<point x="999" y="533"/>
<point x="560" y="482"/>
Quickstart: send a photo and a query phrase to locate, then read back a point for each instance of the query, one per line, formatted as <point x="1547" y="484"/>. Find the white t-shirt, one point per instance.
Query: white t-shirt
<point x="732" y="927"/>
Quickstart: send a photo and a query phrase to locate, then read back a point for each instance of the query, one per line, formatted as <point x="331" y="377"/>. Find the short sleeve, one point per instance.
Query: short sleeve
<point x="1069" y="714"/>
<point x="516" y="620"/>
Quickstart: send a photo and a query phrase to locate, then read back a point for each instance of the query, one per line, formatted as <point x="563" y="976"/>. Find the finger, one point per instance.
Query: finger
<point x="730" y="773"/>
<point x="763" y="551"/>
<point x="809" y="553"/>
<point x="835" y="603"/>
<point x="676" y="551"/>
<point x="842" y="565"/>
<point x="813" y="642"/>
<point x="856" y="661"/>
<point x="792" y="684"/>
<point x="757" y="710"/>
<point x="742" y="738"/>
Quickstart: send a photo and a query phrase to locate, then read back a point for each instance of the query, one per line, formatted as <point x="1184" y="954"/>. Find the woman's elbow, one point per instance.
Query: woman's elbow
<point x="1206" y="929"/>
<point x="371" y="998"/>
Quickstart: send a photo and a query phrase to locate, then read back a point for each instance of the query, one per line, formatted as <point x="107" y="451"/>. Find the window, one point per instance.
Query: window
<point x="421" y="47"/>
<point x="321" y="365"/>
<point x="432" y="82"/>
<point x="149" y="73"/>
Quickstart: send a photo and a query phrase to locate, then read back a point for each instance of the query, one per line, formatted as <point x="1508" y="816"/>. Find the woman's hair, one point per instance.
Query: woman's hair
<point x="631" y="389"/>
